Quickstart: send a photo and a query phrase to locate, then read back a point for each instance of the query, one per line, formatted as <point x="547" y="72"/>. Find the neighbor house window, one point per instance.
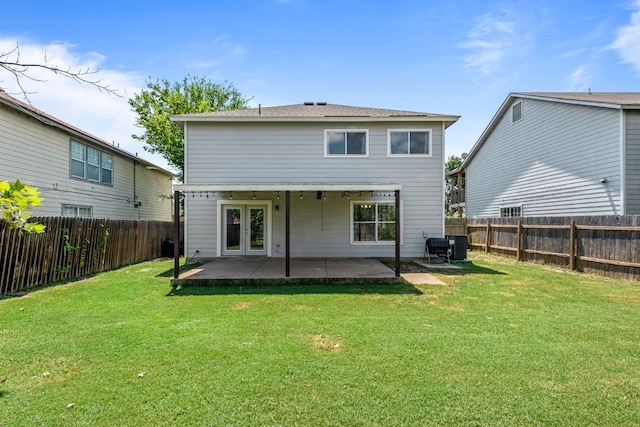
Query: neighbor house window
<point x="409" y="142"/>
<point x="510" y="211"/>
<point x="373" y="222"/>
<point x="516" y="112"/>
<point x="77" y="211"/>
<point x="346" y="142"/>
<point x="91" y="164"/>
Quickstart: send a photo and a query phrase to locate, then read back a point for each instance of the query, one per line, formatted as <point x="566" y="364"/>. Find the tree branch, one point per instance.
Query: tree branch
<point x="10" y="62"/>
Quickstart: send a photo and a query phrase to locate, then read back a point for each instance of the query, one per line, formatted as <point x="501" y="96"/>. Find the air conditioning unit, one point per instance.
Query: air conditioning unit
<point x="458" y="246"/>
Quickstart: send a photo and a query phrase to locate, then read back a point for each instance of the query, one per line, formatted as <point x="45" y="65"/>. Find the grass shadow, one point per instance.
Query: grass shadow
<point x="295" y="287"/>
<point x="468" y="267"/>
<point x="36" y="288"/>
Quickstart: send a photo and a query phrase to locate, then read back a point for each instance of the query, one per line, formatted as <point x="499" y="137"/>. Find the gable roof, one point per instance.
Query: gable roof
<point x="615" y="100"/>
<point x="599" y="99"/>
<point x="312" y="111"/>
<point x="49" y="120"/>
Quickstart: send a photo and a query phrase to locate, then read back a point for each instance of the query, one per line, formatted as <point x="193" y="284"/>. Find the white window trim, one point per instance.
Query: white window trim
<point x="511" y="207"/>
<point x="86" y="163"/>
<point x="513" y="122"/>
<point x="77" y="208"/>
<point x="348" y="156"/>
<point x="382" y="243"/>
<point x="428" y="131"/>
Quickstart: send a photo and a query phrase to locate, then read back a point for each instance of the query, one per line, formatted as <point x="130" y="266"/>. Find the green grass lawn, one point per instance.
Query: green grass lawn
<point x="502" y="344"/>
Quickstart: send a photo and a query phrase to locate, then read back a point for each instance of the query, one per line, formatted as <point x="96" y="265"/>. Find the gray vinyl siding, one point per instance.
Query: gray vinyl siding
<point x="294" y="153"/>
<point x="550" y="163"/>
<point x="632" y="151"/>
<point x="40" y="154"/>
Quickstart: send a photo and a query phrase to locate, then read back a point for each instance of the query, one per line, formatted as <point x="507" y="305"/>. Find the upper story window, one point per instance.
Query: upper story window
<point x="516" y="112"/>
<point x="409" y="142"/>
<point x="91" y="164"/>
<point x="346" y="143"/>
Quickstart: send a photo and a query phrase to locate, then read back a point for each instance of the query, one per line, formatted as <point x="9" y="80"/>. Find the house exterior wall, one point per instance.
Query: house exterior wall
<point x="40" y="154"/>
<point x="550" y="163"/>
<point x="632" y="167"/>
<point x="289" y="153"/>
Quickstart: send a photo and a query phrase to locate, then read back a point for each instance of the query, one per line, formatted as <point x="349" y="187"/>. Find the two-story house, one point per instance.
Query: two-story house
<point x="344" y="169"/>
<point x="555" y="154"/>
<point x="78" y="174"/>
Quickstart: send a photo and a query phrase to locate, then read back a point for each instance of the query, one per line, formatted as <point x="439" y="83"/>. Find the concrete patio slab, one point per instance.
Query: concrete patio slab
<point x="259" y="269"/>
<point x="437" y="265"/>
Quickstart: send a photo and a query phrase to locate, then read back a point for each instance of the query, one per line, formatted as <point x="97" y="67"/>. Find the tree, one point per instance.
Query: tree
<point x="10" y="61"/>
<point x="453" y="163"/>
<point x="163" y="99"/>
<point x="15" y="201"/>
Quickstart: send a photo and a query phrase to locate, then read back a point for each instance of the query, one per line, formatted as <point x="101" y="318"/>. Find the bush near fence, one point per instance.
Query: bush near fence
<point x="606" y="245"/>
<point x="72" y="247"/>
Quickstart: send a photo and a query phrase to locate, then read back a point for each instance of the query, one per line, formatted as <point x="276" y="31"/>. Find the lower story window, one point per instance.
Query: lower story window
<point x="77" y="211"/>
<point x="373" y="222"/>
<point x="510" y="211"/>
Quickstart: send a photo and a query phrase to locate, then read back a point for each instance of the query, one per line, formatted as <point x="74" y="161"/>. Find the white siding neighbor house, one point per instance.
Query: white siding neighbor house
<point x="342" y="167"/>
<point x="76" y="173"/>
<point x="556" y="154"/>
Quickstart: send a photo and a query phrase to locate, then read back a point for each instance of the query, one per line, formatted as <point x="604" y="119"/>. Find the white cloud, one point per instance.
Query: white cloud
<point x="82" y="105"/>
<point x="627" y="42"/>
<point x="579" y="79"/>
<point x="492" y="41"/>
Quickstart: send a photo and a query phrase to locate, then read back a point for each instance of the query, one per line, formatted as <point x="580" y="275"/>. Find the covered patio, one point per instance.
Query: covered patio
<point x="288" y="267"/>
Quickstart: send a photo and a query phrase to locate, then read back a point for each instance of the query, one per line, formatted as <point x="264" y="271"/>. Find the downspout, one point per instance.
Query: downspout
<point x="135" y="194"/>
<point x="444" y="185"/>
<point x="623" y="163"/>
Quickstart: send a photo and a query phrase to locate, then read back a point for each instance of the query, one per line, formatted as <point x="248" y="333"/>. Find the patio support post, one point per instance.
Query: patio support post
<point x="176" y="234"/>
<point x="397" y="233"/>
<point x="287" y="234"/>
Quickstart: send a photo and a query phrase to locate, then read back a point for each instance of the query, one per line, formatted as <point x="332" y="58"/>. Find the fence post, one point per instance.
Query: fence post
<point x="572" y="245"/>
<point x="519" y="242"/>
<point x="488" y="242"/>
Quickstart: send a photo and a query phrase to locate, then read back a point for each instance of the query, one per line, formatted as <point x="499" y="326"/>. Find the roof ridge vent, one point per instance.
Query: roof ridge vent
<point x="308" y="103"/>
<point x="321" y="103"/>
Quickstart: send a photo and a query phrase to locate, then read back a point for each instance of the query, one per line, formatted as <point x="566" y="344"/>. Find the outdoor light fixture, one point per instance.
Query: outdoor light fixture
<point x="603" y="180"/>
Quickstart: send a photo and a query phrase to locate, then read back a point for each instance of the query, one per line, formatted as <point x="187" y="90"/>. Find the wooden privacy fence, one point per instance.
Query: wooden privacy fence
<point x="456" y="226"/>
<point x="607" y="245"/>
<point x="72" y="247"/>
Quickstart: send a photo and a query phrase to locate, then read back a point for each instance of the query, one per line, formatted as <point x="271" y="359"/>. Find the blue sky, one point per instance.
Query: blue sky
<point x="450" y="57"/>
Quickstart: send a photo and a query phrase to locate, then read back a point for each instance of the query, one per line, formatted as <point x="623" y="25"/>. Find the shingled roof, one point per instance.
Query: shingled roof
<point x="616" y="98"/>
<point x="313" y="111"/>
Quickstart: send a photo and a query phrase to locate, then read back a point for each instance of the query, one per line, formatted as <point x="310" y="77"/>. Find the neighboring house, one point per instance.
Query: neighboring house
<point x="556" y="154"/>
<point x="76" y="173"/>
<point x="342" y="167"/>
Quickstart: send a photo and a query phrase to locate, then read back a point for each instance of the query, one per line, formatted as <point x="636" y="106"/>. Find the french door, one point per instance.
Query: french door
<point x="244" y="229"/>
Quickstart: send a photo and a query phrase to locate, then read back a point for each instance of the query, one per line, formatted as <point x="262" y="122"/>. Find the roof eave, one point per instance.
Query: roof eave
<point x="182" y="119"/>
<point x="600" y="104"/>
